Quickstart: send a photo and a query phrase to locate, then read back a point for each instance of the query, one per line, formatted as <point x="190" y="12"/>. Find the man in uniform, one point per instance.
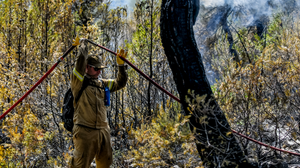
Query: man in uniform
<point x="91" y="134"/>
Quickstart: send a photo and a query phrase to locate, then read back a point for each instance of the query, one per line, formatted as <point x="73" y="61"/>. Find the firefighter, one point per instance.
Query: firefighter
<point x="91" y="132"/>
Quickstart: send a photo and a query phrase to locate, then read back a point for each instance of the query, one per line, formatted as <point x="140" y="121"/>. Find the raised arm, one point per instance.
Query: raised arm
<point x="121" y="80"/>
<point x="79" y="69"/>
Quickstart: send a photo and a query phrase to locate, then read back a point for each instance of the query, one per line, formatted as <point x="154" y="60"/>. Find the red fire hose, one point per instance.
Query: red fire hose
<point x="144" y="75"/>
<point x="38" y="82"/>
<point x="139" y="71"/>
<point x="262" y="144"/>
<point x="178" y="100"/>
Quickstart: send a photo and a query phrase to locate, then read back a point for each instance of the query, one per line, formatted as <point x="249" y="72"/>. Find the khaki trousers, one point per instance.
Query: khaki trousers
<point x="89" y="144"/>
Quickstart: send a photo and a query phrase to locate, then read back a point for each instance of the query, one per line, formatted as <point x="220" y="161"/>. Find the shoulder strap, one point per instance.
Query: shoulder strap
<point x="103" y="86"/>
<point x="94" y="85"/>
<point x="84" y="85"/>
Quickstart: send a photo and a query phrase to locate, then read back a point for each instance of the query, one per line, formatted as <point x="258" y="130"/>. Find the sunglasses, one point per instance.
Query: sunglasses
<point x="95" y="68"/>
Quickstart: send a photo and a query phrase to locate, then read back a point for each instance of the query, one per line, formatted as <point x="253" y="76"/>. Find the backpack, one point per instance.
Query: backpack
<point x="68" y="108"/>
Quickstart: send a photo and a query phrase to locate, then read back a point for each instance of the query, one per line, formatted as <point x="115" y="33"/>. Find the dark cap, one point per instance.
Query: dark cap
<point x="95" y="61"/>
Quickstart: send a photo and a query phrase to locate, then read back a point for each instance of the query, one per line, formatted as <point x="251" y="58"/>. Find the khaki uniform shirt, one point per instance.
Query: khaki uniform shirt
<point x="90" y="110"/>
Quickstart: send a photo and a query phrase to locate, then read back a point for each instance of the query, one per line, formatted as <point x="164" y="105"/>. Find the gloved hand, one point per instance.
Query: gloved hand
<point x="83" y="46"/>
<point x="76" y="41"/>
<point x="121" y="53"/>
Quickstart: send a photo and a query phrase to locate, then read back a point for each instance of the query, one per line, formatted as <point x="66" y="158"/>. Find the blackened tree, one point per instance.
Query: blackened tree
<point x="215" y="143"/>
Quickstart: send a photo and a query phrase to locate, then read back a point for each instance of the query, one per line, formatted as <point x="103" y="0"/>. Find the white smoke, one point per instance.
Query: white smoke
<point x="123" y="3"/>
<point x="233" y="3"/>
<point x="247" y="12"/>
<point x="260" y="7"/>
<point x="239" y="14"/>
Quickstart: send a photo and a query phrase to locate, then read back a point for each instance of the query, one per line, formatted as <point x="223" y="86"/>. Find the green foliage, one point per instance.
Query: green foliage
<point x="257" y="93"/>
<point x="259" y="99"/>
<point x="163" y="142"/>
<point x="33" y="36"/>
<point x="148" y="55"/>
<point x="86" y="11"/>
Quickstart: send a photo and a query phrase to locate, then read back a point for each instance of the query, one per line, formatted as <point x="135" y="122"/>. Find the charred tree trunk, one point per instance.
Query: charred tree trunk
<point x="259" y="28"/>
<point x="216" y="144"/>
<point x="226" y="11"/>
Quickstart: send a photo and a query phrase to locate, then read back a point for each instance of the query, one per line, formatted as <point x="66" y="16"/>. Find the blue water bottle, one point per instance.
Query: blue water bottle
<point x="107" y="96"/>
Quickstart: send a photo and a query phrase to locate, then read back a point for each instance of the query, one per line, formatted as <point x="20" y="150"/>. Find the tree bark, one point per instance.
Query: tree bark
<point x="215" y="143"/>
